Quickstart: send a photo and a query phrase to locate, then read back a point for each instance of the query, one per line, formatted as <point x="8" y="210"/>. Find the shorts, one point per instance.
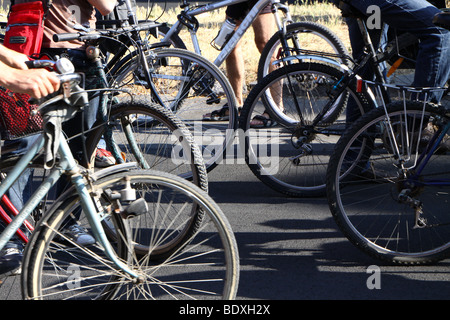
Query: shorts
<point x="240" y="10"/>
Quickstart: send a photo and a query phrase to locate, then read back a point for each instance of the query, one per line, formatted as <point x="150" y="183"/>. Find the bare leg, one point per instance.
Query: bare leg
<point x="264" y="27"/>
<point x="236" y="72"/>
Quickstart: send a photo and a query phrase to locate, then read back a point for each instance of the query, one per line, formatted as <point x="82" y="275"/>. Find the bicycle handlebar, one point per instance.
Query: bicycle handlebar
<point x="83" y="36"/>
<point x="95" y="35"/>
<point x="65" y="71"/>
<point x="64" y="68"/>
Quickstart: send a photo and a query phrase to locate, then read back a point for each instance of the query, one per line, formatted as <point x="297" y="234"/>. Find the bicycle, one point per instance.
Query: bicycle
<point x="287" y="32"/>
<point x="387" y="177"/>
<point x="112" y="201"/>
<point x="397" y="156"/>
<point x="309" y="122"/>
<point x="150" y="134"/>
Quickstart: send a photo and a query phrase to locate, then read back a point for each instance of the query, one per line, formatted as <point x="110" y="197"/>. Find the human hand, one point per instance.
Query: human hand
<point x="13" y="58"/>
<point x="37" y="83"/>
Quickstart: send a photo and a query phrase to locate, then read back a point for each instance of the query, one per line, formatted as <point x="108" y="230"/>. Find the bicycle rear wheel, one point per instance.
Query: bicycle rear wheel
<point x="204" y="266"/>
<point x="378" y="196"/>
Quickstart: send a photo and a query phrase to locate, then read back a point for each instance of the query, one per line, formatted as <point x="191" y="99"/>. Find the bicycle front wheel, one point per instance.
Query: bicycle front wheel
<point x="381" y="198"/>
<point x="153" y="137"/>
<point x="204" y="266"/>
<point x="288" y="152"/>
<point x="192" y="87"/>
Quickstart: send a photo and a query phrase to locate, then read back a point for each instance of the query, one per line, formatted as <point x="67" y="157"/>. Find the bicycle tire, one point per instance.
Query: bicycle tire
<point x="294" y="170"/>
<point x="323" y="36"/>
<point x="166" y="144"/>
<point x="324" y="41"/>
<point x="47" y="259"/>
<point x="368" y="194"/>
<point x="189" y="85"/>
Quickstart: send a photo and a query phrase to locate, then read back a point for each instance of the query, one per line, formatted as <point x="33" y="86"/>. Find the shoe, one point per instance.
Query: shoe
<point x="262" y="121"/>
<point x="428" y="132"/>
<point x="79" y="235"/>
<point x="104" y="158"/>
<point x="222" y="114"/>
<point x="10" y="262"/>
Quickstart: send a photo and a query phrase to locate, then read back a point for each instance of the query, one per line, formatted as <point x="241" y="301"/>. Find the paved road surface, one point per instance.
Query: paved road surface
<point x="291" y="249"/>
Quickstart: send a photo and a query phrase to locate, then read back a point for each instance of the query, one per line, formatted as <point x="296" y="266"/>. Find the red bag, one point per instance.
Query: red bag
<point x="25" y="28"/>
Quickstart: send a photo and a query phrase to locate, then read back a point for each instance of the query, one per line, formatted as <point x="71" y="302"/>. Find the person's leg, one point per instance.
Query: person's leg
<point x="415" y="16"/>
<point x="12" y="254"/>
<point x="264" y="28"/>
<point x="236" y="71"/>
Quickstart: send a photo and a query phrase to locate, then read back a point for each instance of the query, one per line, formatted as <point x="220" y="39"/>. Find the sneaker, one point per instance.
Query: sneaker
<point x="79" y="235"/>
<point x="10" y="262"/>
<point x="104" y="158"/>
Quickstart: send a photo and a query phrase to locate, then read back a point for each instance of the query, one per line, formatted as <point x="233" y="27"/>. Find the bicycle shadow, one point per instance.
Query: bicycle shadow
<point x="291" y="249"/>
<point x="283" y="266"/>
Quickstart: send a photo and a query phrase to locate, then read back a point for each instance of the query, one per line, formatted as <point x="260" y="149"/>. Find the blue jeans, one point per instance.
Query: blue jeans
<point x="414" y="16"/>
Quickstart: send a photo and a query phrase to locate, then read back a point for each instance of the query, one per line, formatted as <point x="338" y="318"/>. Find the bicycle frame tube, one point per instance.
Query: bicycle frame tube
<point x="89" y="208"/>
<point x="68" y="164"/>
<point x="245" y="24"/>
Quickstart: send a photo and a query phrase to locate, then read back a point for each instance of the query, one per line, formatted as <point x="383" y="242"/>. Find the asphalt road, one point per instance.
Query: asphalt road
<point x="291" y="249"/>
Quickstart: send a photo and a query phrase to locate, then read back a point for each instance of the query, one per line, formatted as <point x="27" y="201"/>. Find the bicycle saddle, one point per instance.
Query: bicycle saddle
<point x="442" y="19"/>
<point x="349" y="11"/>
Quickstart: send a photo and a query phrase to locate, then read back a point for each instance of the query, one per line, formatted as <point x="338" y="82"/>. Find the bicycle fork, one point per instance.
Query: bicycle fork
<point x="90" y="209"/>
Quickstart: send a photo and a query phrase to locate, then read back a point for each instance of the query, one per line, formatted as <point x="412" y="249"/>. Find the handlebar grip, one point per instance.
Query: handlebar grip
<point x="59" y="37"/>
<point x="69" y="77"/>
<point x="82" y="36"/>
<point x="35" y="64"/>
